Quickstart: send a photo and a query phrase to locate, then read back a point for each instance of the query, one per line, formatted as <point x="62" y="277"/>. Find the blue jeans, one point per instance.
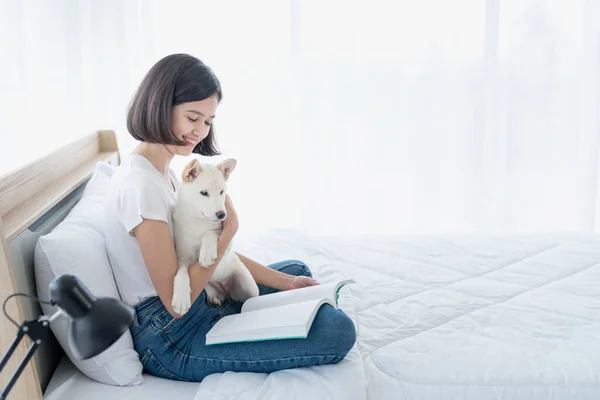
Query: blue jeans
<point x="174" y="348"/>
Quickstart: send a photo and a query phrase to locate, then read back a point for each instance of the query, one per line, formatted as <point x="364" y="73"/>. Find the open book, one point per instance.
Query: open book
<point x="282" y="315"/>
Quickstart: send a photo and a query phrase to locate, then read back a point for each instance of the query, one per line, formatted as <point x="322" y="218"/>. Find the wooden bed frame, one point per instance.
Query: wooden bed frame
<point x="26" y="195"/>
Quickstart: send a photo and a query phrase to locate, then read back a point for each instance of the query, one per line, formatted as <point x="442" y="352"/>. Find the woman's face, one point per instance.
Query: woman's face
<point x="191" y="123"/>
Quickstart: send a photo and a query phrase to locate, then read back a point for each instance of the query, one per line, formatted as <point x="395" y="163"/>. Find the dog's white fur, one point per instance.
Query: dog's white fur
<point x="197" y="223"/>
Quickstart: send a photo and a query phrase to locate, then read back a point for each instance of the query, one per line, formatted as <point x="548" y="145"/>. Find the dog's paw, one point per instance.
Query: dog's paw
<point x="214" y="300"/>
<point x="181" y="304"/>
<point x="208" y="254"/>
<point x="213" y="296"/>
<point x="181" y="293"/>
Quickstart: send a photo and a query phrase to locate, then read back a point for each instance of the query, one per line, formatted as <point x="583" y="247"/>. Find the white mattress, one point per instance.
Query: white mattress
<point x="68" y="383"/>
<point x="438" y="318"/>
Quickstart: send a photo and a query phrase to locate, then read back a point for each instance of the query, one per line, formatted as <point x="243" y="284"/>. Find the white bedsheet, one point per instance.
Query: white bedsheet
<point x="466" y="317"/>
<point x="442" y="318"/>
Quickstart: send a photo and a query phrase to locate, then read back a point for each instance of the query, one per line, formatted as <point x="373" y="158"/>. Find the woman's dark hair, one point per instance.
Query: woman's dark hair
<point x="176" y="79"/>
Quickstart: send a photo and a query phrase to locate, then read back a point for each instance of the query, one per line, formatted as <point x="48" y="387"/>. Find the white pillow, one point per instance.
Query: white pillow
<point x="76" y="246"/>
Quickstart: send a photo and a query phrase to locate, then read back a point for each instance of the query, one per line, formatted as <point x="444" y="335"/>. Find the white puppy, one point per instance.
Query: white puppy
<point x="198" y="214"/>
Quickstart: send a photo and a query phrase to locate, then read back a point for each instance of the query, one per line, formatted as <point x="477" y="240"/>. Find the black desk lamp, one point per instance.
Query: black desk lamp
<point x="96" y="323"/>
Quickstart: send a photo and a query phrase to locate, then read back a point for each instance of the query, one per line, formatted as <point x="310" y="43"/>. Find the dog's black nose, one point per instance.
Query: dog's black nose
<point x="221" y="214"/>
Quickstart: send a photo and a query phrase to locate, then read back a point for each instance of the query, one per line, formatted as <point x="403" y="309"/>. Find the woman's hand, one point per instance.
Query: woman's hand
<point x="302" y="281"/>
<point x="231" y="222"/>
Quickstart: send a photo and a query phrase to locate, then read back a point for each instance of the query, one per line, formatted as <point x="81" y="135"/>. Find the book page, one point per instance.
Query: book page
<point x="285" y="322"/>
<point x="325" y="291"/>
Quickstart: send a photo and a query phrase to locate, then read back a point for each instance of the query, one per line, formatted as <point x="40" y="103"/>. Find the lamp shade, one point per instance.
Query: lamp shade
<point x="96" y="323"/>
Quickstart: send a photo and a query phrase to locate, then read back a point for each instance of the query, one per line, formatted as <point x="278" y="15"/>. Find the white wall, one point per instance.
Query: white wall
<point x="430" y="116"/>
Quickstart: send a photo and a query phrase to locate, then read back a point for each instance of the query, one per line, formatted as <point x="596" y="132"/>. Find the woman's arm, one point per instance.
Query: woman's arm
<point x="275" y="279"/>
<point x="265" y="275"/>
<point x="158" y="252"/>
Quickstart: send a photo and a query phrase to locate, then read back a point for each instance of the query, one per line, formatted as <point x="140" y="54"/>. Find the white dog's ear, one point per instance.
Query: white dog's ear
<point x="191" y="171"/>
<point x="227" y="167"/>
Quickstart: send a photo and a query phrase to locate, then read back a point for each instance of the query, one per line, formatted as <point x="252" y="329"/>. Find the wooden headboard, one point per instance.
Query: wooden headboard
<point x="26" y="195"/>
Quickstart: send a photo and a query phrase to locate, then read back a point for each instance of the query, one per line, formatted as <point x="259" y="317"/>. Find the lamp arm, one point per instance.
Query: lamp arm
<point x="37" y="332"/>
<point x="12" y="348"/>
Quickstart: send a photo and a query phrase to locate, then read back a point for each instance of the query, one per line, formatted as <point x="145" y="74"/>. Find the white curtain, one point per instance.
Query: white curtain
<point x="345" y="116"/>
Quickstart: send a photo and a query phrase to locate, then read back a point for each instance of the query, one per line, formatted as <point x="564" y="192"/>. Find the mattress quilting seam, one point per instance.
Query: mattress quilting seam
<point x="465" y="279"/>
<point x="481" y="308"/>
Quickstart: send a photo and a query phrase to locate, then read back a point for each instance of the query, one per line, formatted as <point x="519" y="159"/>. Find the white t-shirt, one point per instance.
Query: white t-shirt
<point x="137" y="191"/>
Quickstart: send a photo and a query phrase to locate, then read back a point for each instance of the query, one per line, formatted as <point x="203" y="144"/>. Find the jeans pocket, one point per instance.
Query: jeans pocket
<point x="154" y="367"/>
<point x="140" y="333"/>
<point x="200" y="317"/>
<point x="165" y="322"/>
<point x="164" y="318"/>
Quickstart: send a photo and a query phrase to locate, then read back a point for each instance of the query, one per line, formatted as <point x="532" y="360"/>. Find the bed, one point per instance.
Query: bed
<point x="438" y="317"/>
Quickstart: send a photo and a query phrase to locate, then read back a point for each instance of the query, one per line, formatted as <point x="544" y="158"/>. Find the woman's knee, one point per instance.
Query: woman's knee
<point x="346" y="337"/>
<point x="334" y="332"/>
<point x="293" y="267"/>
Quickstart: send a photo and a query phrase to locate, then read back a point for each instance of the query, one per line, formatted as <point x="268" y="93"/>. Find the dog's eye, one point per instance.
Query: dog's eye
<point x="204" y="193"/>
<point x="221" y="192"/>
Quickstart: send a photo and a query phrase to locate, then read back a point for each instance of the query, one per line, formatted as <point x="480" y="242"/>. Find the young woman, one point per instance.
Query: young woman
<point x="172" y="114"/>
